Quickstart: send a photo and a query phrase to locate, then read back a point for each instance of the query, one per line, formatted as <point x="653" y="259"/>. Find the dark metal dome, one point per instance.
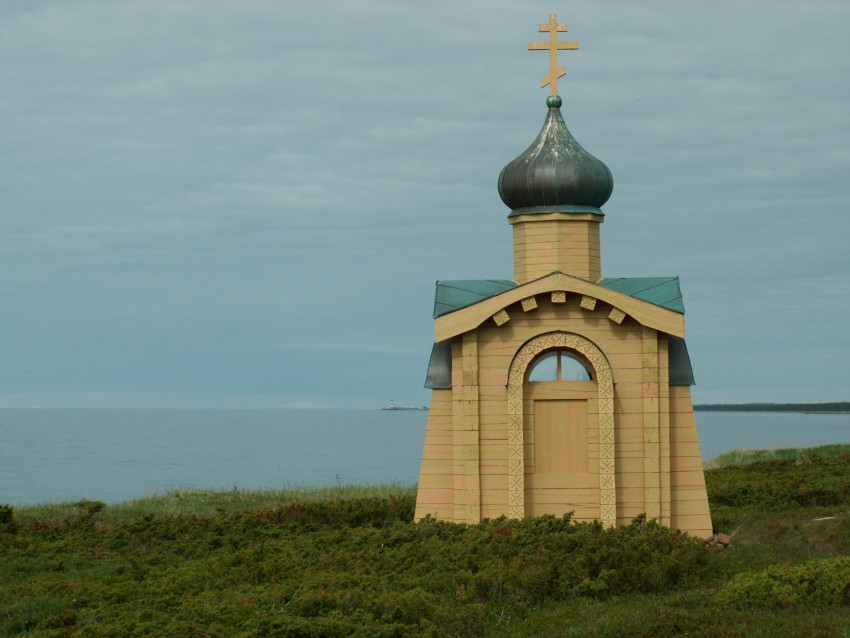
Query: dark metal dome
<point x="555" y="174"/>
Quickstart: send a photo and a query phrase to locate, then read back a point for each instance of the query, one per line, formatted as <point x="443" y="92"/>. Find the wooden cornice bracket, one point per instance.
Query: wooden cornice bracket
<point x="501" y="318"/>
<point x="588" y="302"/>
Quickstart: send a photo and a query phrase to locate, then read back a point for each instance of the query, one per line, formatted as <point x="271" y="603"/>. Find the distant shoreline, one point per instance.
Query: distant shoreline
<point x="803" y="408"/>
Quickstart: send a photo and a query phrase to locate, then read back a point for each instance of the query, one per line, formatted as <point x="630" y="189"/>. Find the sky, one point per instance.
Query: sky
<point x="207" y="203"/>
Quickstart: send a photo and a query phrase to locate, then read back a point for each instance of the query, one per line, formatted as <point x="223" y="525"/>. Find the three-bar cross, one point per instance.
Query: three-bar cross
<point x="553" y="28"/>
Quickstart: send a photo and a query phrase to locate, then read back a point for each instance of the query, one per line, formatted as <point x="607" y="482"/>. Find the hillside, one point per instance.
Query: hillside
<point x="340" y="564"/>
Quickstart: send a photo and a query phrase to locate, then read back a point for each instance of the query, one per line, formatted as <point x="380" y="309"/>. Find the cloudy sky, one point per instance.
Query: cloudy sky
<point x="246" y="204"/>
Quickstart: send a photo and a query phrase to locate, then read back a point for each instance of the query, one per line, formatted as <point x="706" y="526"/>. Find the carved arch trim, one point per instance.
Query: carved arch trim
<point x="605" y="392"/>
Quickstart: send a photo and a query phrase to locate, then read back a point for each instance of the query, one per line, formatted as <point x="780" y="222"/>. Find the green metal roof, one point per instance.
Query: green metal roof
<point x="454" y="295"/>
<point x="659" y="291"/>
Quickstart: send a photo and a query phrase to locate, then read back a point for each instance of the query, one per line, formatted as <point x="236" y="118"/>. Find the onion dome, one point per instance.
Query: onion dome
<point x="555" y="174"/>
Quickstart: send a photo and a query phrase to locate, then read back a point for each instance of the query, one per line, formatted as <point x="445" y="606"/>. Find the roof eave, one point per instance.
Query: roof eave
<point x="470" y="317"/>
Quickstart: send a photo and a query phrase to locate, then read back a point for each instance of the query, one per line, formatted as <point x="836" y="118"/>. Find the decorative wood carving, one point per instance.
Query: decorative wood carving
<point x="529" y="303"/>
<point x="501" y="318"/>
<point x="617" y="315"/>
<point x="588" y="302"/>
<point x="605" y="392"/>
<point x="559" y="296"/>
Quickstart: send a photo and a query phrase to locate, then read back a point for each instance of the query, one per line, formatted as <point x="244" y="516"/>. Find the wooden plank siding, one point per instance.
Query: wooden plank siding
<point x="542" y="246"/>
<point x="689" y="501"/>
<point x="658" y="466"/>
<point x="435" y="495"/>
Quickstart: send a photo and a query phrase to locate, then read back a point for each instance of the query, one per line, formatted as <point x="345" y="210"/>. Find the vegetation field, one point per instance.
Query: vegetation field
<point x="350" y="562"/>
<point x="799" y="455"/>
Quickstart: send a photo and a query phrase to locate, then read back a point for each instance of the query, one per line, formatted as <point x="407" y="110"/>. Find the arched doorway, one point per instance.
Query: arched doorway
<point x="559" y="415"/>
<point x="561" y="429"/>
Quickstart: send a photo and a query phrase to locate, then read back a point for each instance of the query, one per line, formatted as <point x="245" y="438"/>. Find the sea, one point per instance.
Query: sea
<point x="49" y="455"/>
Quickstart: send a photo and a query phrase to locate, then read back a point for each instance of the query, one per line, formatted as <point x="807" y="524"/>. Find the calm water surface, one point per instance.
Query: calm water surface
<point x="115" y="455"/>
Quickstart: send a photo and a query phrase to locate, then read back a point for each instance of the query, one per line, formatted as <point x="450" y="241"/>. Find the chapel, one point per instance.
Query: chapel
<point x="561" y="390"/>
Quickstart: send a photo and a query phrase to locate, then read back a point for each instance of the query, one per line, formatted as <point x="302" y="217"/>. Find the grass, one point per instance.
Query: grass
<point x="210" y="503"/>
<point x="744" y="457"/>
<point x="350" y="562"/>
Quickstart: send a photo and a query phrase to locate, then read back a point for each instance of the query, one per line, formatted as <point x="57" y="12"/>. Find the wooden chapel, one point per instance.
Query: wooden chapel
<point x="561" y="390"/>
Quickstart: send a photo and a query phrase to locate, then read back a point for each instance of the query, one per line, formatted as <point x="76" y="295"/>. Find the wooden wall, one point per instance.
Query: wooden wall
<point x="436" y="474"/>
<point x="690" y="509"/>
<point x="464" y="475"/>
<point x="546" y="245"/>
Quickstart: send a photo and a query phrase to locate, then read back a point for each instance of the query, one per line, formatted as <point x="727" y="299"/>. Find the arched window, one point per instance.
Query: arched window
<point x="559" y="365"/>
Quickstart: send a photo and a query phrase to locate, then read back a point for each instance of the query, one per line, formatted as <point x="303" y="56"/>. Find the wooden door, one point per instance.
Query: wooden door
<point x="561" y="475"/>
<point x="560" y="437"/>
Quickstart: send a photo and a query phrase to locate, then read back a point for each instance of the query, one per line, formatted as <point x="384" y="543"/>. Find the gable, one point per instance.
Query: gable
<point x="452" y="295"/>
<point x="464" y="305"/>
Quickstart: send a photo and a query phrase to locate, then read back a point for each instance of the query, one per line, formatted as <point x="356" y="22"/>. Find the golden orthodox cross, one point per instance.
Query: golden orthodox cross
<point x="553" y="46"/>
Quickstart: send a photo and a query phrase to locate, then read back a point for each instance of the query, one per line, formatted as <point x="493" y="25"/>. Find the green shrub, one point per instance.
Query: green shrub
<point x="7" y="518"/>
<point x="332" y="566"/>
<point x="86" y="511"/>
<point x="359" y="512"/>
<point x="781" y="484"/>
<point x="798" y="455"/>
<point x="357" y="567"/>
<point x="819" y="582"/>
